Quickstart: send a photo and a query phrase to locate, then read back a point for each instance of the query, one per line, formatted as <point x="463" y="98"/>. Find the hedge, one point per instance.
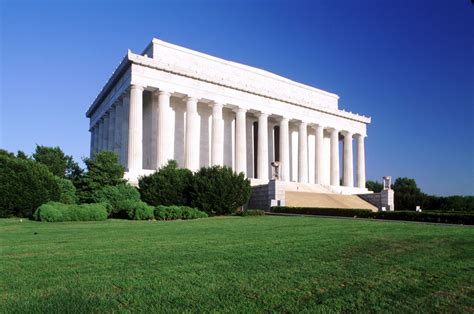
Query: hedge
<point x="115" y="196"/>
<point x="136" y="210"/>
<point x="441" y="217"/>
<point x="252" y="212"/>
<point x="24" y="185"/>
<point x="177" y="212"/>
<point x="344" y="212"/>
<point x="57" y="212"/>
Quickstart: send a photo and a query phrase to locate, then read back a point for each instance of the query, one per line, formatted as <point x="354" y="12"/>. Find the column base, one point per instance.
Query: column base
<point x="132" y="175"/>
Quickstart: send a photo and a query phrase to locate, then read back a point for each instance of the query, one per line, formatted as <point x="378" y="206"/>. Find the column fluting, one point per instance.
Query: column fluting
<point x="217" y="148"/>
<point x="105" y="132"/>
<point x="262" y="150"/>
<point x="284" y="150"/>
<point x="240" y="142"/>
<point x="191" y="160"/>
<point x="348" y="179"/>
<point x="335" y="157"/>
<point x="124" y="132"/>
<point x="303" y="152"/>
<point x="135" y="129"/>
<point x="163" y="143"/>
<point x="360" y="161"/>
<point x="111" y="142"/>
<point x="118" y="128"/>
<point x="319" y="154"/>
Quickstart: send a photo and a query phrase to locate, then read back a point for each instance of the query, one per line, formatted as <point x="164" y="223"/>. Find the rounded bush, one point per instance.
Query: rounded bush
<point x="168" y="186"/>
<point x="58" y="212"/>
<point x="115" y="196"/>
<point x="219" y="190"/>
<point x="67" y="191"/>
<point x="177" y="212"/>
<point x="137" y="210"/>
<point x="24" y="185"/>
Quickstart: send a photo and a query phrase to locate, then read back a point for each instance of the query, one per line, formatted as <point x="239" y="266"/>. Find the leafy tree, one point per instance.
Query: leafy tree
<point x="103" y="169"/>
<point x="53" y="158"/>
<point x="219" y="190"/>
<point x="24" y="185"/>
<point x="406" y="186"/>
<point x="168" y="186"/>
<point x="21" y="155"/>
<point x="374" y="186"/>
<point x="67" y="191"/>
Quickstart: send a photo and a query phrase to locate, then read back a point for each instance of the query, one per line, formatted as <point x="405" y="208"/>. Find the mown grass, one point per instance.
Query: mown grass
<point x="236" y="264"/>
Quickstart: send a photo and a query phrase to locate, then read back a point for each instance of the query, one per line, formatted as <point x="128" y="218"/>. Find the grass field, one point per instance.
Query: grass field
<point x="243" y="264"/>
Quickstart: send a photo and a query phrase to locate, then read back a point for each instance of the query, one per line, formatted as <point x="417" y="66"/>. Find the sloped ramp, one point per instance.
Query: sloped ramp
<point x="323" y="200"/>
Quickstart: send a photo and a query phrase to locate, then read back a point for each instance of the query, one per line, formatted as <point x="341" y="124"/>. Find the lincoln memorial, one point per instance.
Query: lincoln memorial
<point x="169" y="102"/>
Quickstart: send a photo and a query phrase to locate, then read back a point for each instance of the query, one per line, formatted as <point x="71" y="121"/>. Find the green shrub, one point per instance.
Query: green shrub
<point x="252" y="212"/>
<point x="408" y="215"/>
<point x="67" y="191"/>
<point x="170" y="185"/>
<point x="344" y="212"/>
<point x="219" y="190"/>
<point x="115" y="196"/>
<point x="24" y="185"/>
<point x="192" y="213"/>
<point x="58" y="212"/>
<point x="103" y="169"/>
<point x="177" y="212"/>
<point x="136" y="210"/>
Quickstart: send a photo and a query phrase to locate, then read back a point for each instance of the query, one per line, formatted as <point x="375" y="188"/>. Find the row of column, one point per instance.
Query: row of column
<point x="121" y="130"/>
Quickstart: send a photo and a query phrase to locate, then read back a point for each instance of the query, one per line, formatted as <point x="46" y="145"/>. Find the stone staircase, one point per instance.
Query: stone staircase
<point x="325" y="200"/>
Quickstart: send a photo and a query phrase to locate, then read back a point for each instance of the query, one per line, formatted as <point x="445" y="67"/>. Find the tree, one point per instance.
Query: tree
<point x="406" y="186"/>
<point x="24" y="185"/>
<point x="374" y="186"/>
<point x="58" y="163"/>
<point x="103" y="169"/>
<point x="219" y="190"/>
<point x="168" y="186"/>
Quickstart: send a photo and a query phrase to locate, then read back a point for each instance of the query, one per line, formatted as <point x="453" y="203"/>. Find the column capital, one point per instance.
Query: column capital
<point x="216" y="104"/>
<point x="359" y="135"/>
<point x="283" y="119"/>
<point x="237" y="110"/>
<point x="136" y="86"/>
<point x="191" y="99"/>
<point x="162" y="92"/>
<point x="261" y="114"/>
<point x="347" y="133"/>
<point x="317" y="126"/>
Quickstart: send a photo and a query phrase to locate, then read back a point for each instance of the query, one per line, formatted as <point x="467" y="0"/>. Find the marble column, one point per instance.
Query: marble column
<point x="105" y="132"/>
<point x="262" y="148"/>
<point x="111" y="143"/>
<point x="118" y="128"/>
<point x="191" y="152"/>
<point x="163" y="143"/>
<point x="348" y="179"/>
<point x="100" y="134"/>
<point x="96" y="137"/>
<point x="154" y="128"/>
<point x="91" y="151"/>
<point x="217" y="148"/>
<point x="335" y="157"/>
<point x="303" y="152"/>
<point x="284" y="150"/>
<point x="240" y="141"/>
<point x="360" y="170"/>
<point x="135" y="129"/>
<point x="319" y="154"/>
<point x="124" y="132"/>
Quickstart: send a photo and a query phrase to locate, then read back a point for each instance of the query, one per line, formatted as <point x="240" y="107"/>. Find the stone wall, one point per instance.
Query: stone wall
<point x="385" y="198"/>
<point x="266" y="195"/>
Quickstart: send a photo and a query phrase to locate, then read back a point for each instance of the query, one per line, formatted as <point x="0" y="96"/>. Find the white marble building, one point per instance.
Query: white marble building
<point x="170" y="102"/>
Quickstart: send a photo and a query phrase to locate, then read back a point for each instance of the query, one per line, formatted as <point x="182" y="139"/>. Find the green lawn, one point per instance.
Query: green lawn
<point x="243" y="264"/>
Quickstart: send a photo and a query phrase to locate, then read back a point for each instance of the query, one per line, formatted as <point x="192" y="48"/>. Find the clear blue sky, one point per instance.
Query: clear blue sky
<point x="407" y="64"/>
